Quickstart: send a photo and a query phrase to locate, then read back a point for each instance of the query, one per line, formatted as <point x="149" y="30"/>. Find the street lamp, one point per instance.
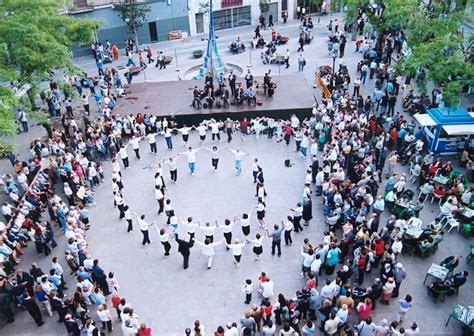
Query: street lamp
<point x="334" y="54"/>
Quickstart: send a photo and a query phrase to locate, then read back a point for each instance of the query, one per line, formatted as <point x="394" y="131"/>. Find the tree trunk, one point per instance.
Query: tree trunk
<point x="31" y="97"/>
<point x="136" y="37"/>
<point x="355" y="28"/>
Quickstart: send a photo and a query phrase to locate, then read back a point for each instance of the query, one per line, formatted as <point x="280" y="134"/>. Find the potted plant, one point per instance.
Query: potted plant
<point x="198" y="53"/>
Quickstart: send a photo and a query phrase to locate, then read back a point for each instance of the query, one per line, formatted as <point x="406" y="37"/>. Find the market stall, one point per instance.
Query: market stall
<point x="448" y="130"/>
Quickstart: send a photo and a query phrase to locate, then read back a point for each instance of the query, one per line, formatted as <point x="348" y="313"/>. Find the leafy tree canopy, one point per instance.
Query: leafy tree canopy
<point x="434" y="36"/>
<point x="35" y="40"/>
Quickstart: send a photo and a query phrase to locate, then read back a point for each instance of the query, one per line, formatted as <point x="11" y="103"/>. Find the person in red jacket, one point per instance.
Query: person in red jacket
<point x="379" y="250"/>
<point x="144" y="330"/>
<point x="115" y="303"/>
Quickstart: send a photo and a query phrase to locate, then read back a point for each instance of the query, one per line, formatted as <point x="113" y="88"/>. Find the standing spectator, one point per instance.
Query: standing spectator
<point x="405" y="306"/>
<point x="72" y="326"/>
<point x="104" y="315"/>
<point x="387" y="291"/>
<point x="400" y="274"/>
<point x="32" y="308"/>
<point x="247" y="289"/>
<point x="23" y="118"/>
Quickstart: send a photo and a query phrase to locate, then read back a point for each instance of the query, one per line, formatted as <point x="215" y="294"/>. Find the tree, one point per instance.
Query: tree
<point x="134" y="14"/>
<point x="35" y="40"/>
<point x="433" y="34"/>
<point x="264" y="6"/>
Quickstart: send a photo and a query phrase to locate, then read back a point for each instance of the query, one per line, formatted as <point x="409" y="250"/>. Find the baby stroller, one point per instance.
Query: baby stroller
<point x="108" y="57"/>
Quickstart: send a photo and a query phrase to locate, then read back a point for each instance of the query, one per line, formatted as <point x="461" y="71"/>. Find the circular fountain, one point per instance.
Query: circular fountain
<point x="193" y="71"/>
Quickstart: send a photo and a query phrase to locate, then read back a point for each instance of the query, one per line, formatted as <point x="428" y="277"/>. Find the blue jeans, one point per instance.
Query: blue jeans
<point x="169" y="143"/>
<point x="303" y="151"/>
<point x="363" y="76"/>
<point x="192" y="167"/>
<point x="238" y="166"/>
<point x="130" y="62"/>
<point x="174" y="228"/>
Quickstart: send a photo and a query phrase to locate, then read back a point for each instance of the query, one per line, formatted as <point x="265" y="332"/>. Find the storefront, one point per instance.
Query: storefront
<point x="230" y="14"/>
<point x="232" y="17"/>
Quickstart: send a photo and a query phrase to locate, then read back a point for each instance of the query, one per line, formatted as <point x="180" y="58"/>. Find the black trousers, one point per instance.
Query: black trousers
<point x="228" y="238"/>
<point x="215" y="163"/>
<point x="214" y="135"/>
<point x="125" y="162"/>
<point x="288" y="239"/>
<point x="185" y="261"/>
<point x="130" y="227"/>
<point x="122" y="213"/>
<point x="35" y="313"/>
<point x="146" y="239"/>
<point x="107" y="324"/>
<point x="356" y="91"/>
<point x="137" y="153"/>
<point x="248" y="298"/>
<point x="276" y="244"/>
<point x="297" y="224"/>
<point x="161" y="203"/>
<point x="167" y="247"/>
<point x="174" y="175"/>
<point x="229" y="135"/>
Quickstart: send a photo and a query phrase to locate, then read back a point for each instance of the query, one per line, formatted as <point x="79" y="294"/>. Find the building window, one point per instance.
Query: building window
<point x="232" y="17"/>
<point x="241" y="16"/>
<point x="199" y="23"/>
<point x="223" y="19"/>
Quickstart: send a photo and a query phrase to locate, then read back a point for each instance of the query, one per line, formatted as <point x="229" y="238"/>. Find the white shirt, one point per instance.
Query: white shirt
<point x="208" y="230"/>
<point x="215" y="128"/>
<point x="208" y="249"/>
<point x="227" y="228"/>
<point x="164" y="237"/>
<point x="201" y="130"/>
<point x="307" y="259"/>
<point x="236" y="248"/>
<point x="104" y="315"/>
<point x="238" y="155"/>
<point x="191" y="154"/>
<point x="267" y="289"/>
<point x="257" y="242"/>
<point x="123" y="153"/>
<point x="57" y="268"/>
<point x="158" y="194"/>
<point x="316" y="265"/>
<point x="143" y="224"/>
<point x="191" y="227"/>
<point x="151" y="138"/>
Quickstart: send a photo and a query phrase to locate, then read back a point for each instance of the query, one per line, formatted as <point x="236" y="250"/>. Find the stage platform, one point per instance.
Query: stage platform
<point x="166" y="99"/>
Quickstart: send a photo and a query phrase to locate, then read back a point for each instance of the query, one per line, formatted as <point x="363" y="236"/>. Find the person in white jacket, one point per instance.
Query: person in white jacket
<point x="208" y="250"/>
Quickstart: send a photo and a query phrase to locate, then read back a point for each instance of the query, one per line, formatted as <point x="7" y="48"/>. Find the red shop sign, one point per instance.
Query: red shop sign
<point x="231" y="3"/>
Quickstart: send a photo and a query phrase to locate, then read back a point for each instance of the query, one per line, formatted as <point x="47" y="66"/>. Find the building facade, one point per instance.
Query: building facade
<point x="233" y="13"/>
<point x="164" y="16"/>
<point x="188" y="16"/>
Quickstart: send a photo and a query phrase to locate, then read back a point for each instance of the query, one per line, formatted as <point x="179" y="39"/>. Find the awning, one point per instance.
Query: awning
<point x="459" y="129"/>
<point x="425" y="120"/>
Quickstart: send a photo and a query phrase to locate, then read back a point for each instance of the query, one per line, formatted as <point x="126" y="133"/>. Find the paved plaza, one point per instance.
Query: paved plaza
<point x="168" y="298"/>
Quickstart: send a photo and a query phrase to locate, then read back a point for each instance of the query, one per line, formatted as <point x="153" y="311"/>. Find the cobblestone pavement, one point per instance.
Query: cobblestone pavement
<point x="170" y="299"/>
